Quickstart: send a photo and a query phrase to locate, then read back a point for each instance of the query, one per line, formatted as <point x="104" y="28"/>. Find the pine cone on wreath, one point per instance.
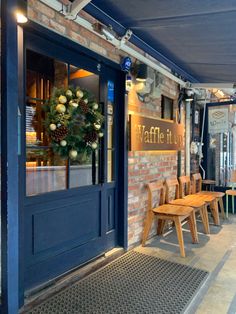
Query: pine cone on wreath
<point x="60" y="133"/>
<point x="84" y="106"/>
<point x="91" y="137"/>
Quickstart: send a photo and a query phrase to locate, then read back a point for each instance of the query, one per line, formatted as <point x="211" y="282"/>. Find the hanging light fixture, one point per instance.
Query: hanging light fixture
<point x="142" y="72"/>
<point x="21" y="12"/>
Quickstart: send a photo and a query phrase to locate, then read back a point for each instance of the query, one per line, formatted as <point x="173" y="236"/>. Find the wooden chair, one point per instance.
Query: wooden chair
<point x="209" y="199"/>
<point x="165" y="212"/>
<point x="199" y="206"/>
<point x="231" y="192"/>
<point x="197" y="189"/>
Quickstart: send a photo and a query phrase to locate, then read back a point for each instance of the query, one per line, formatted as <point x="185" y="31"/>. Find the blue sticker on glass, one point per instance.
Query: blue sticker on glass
<point x="110" y="93"/>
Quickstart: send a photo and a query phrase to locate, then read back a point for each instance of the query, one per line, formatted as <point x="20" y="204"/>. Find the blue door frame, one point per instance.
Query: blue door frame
<point x="13" y="259"/>
<point x="9" y="160"/>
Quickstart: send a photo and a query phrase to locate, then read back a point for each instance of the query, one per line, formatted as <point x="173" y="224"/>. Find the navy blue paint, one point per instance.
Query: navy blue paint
<point x="21" y="96"/>
<point x="137" y="41"/>
<point x="196" y="37"/>
<point x="62" y="227"/>
<point x="9" y="160"/>
<point x="56" y="248"/>
<point x="122" y="136"/>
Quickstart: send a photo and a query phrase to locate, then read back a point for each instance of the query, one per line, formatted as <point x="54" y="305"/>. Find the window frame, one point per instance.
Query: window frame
<point x="164" y="100"/>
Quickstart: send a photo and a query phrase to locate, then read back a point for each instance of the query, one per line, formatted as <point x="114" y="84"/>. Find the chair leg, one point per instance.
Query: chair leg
<point x="160" y="226"/>
<point x="205" y="221"/>
<point x="179" y="232"/>
<point x="232" y="204"/>
<point x="215" y="212"/>
<point x="222" y="207"/>
<point x="193" y="227"/>
<point x="147" y="226"/>
<point x="227" y="206"/>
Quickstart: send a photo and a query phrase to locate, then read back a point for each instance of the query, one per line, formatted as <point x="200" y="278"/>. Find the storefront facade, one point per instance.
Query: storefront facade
<point x="66" y="213"/>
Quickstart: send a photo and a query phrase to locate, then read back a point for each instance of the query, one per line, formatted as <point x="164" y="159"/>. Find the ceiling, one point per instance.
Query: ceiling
<point x="195" y="38"/>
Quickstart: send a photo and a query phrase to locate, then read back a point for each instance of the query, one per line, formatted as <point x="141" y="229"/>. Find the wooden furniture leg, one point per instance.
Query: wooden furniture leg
<point x="160" y="226"/>
<point x="179" y="232"/>
<point x="227" y="206"/>
<point x="204" y="217"/>
<point x="232" y="204"/>
<point x="215" y="212"/>
<point x="147" y="226"/>
<point x="193" y="227"/>
<point x="222" y="207"/>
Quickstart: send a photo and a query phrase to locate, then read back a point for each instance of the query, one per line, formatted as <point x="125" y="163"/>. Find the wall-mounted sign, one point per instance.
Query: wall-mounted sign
<point x="218" y="120"/>
<point x="126" y="64"/>
<point x="153" y="134"/>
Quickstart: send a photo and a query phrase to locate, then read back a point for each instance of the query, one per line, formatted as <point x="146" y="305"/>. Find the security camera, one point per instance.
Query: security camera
<point x="189" y="92"/>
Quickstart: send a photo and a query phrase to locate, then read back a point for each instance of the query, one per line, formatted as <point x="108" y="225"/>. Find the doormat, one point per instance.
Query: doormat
<point x="133" y="283"/>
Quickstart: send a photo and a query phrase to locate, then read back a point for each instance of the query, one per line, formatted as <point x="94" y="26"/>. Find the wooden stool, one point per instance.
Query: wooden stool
<point x="198" y="204"/>
<point x="233" y="194"/>
<point x="197" y="189"/>
<point x="168" y="212"/>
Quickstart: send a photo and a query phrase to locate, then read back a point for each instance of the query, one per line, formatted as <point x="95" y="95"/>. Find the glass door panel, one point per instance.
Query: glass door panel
<point x="84" y="170"/>
<point x="45" y="171"/>
<point x="221" y="149"/>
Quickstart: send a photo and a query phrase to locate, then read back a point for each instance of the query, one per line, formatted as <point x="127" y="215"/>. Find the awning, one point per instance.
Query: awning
<point x="196" y="39"/>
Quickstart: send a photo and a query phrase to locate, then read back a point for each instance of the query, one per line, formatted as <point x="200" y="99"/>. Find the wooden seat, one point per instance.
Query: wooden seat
<point x="172" y="185"/>
<point x="168" y="212"/>
<point x="197" y="188"/>
<point x="231" y="192"/>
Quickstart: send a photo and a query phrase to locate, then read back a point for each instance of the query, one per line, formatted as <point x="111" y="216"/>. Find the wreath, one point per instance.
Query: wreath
<point x="73" y="122"/>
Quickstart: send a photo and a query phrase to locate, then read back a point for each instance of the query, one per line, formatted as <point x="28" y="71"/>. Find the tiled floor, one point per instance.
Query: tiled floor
<point x="215" y="253"/>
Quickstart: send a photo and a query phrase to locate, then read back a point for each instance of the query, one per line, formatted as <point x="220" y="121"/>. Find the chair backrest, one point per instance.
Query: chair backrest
<point x="155" y="187"/>
<point x="184" y="186"/>
<point x="197" y="182"/>
<point x="171" y="184"/>
<point x="233" y="176"/>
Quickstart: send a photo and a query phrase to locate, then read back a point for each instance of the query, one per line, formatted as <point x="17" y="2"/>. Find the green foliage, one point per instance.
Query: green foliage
<point x="69" y="127"/>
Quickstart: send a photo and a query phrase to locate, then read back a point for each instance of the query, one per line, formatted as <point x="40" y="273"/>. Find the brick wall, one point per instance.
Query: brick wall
<point x="147" y="166"/>
<point x="143" y="166"/>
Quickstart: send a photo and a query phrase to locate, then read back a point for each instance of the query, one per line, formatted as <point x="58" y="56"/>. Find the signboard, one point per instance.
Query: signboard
<point x="153" y="134"/>
<point x="218" y="120"/>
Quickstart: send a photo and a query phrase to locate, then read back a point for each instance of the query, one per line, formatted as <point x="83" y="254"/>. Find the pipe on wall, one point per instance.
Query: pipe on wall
<point x="187" y="137"/>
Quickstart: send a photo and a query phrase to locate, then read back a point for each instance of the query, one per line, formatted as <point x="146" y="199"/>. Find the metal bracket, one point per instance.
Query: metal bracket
<point x="125" y="38"/>
<point x="74" y="8"/>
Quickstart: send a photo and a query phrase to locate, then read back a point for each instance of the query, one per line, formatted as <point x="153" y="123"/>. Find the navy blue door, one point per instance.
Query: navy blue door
<point x="70" y="208"/>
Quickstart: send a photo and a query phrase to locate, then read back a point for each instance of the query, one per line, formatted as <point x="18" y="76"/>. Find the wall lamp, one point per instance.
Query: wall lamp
<point x="21" y="12"/>
<point x="141" y="72"/>
<point x="189" y="95"/>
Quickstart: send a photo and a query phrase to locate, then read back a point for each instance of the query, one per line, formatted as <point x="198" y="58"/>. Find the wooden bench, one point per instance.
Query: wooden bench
<point x="197" y="203"/>
<point x="164" y="212"/>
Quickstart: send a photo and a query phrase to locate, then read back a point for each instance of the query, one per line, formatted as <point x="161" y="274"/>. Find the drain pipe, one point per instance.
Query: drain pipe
<point x="201" y="143"/>
<point x="187" y="137"/>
